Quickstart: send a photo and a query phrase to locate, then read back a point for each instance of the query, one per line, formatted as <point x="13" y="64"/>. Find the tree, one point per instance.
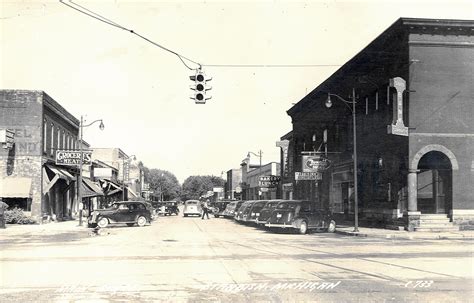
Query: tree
<point x="162" y="182"/>
<point x="197" y="186"/>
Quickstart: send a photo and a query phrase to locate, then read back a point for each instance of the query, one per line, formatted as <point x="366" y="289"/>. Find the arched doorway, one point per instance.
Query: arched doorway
<point x="435" y="185"/>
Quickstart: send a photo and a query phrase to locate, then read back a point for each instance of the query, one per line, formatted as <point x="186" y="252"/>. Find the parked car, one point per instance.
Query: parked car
<point x="192" y="207"/>
<point x="254" y="211"/>
<point x="265" y="213"/>
<point x="242" y="212"/>
<point x="300" y="216"/>
<point x="153" y="211"/>
<point x="231" y="209"/>
<point x="171" y="207"/>
<point x="219" y="208"/>
<point x="128" y="212"/>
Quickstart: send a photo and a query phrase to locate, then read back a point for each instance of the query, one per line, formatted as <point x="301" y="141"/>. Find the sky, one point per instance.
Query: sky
<point x="142" y="92"/>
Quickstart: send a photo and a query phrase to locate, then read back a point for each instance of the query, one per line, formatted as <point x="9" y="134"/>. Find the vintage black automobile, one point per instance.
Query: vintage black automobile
<point x="128" y="212"/>
<point x="253" y="211"/>
<point x="171" y="207"/>
<point x="219" y="208"/>
<point x="232" y="209"/>
<point x="300" y="216"/>
<point x="265" y="213"/>
<point x="243" y="211"/>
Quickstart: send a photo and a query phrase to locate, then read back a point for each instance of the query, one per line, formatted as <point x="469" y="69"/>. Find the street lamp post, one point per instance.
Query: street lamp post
<point x="161" y="187"/>
<point x="353" y="110"/>
<point x="79" y="178"/>
<point x="132" y="157"/>
<point x="260" y="166"/>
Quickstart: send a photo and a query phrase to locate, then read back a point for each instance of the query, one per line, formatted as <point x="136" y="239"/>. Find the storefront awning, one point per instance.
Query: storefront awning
<point x="15" y="187"/>
<point x="130" y="191"/>
<point x="59" y="173"/>
<point x="96" y="188"/>
<point x="112" y="187"/>
<point x="90" y="189"/>
<point x="62" y="174"/>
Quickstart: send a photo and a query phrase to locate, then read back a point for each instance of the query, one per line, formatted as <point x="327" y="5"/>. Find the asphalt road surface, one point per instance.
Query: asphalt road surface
<point x="189" y="259"/>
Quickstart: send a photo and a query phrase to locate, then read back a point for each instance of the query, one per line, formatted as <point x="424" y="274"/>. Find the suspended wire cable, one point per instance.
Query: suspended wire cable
<point x="96" y="16"/>
<point x="272" y="65"/>
<point x="92" y="14"/>
<point x="100" y="16"/>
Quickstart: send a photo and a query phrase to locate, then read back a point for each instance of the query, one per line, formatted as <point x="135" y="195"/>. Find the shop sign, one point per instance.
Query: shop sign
<point x="314" y="163"/>
<point x="284" y="144"/>
<point x="269" y="181"/>
<point x="7" y="137"/>
<point x="69" y="157"/>
<point x="126" y="171"/>
<point x="288" y="187"/>
<point x="267" y="189"/>
<point x="299" y="176"/>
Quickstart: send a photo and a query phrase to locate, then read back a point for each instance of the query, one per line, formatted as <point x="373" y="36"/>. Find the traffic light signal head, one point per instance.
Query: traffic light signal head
<point x="200" y="87"/>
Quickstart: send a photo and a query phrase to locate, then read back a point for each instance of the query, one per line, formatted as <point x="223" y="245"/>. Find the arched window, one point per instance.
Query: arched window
<point x="45" y="136"/>
<point x="52" y="139"/>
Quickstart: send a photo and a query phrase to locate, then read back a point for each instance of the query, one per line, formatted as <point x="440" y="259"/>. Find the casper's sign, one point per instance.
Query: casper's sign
<point x="73" y="157"/>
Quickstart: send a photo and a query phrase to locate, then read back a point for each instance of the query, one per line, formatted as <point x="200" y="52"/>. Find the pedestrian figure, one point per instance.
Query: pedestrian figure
<point x="205" y="209"/>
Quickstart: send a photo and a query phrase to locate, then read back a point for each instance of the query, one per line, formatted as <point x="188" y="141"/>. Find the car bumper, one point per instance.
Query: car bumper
<point x="279" y="225"/>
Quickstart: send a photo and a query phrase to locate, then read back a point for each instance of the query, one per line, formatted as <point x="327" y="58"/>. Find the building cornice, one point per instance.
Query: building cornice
<point x="56" y="108"/>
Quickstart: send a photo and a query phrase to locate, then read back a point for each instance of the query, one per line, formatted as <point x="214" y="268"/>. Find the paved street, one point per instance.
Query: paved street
<point x="181" y="259"/>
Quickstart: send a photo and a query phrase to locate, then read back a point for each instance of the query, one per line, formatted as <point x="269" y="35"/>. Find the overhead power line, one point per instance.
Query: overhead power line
<point x="96" y="16"/>
<point x="92" y="14"/>
<point x="272" y="65"/>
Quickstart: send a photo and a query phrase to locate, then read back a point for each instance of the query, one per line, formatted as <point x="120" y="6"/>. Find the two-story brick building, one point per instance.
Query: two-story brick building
<point x="413" y="88"/>
<point x="29" y="177"/>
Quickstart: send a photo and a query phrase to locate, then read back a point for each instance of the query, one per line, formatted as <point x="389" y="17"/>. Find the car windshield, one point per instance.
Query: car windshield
<point x="271" y="204"/>
<point x="258" y="204"/>
<point x="287" y="205"/>
<point x="191" y="203"/>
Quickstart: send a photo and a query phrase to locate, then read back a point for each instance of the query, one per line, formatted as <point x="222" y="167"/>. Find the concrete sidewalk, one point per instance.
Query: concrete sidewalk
<point x="403" y="234"/>
<point x="53" y="227"/>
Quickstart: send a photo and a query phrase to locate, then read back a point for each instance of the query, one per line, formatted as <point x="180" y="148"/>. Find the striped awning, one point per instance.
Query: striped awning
<point x="90" y="189"/>
<point x="15" y="187"/>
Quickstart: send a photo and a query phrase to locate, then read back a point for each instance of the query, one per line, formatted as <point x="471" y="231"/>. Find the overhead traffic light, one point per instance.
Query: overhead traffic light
<point x="200" y="87"/>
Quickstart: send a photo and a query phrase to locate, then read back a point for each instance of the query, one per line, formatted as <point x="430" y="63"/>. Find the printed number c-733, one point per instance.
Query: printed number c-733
<point x="419" y="284"/>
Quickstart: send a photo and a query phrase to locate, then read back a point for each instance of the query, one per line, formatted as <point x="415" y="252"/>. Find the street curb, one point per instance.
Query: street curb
<point x="351" y="233"/>
<point x="413" y="236"/>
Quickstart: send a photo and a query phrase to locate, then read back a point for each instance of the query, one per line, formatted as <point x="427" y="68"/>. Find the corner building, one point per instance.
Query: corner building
<point x="29" y="177"/>
<point x="413" y="87"/>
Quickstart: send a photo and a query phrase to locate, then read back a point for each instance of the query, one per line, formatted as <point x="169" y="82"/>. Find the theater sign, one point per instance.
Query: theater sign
<point x="73" y="157"/>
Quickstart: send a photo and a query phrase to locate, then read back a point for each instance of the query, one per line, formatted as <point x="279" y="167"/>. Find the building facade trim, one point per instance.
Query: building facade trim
<point x="434" y="147"/>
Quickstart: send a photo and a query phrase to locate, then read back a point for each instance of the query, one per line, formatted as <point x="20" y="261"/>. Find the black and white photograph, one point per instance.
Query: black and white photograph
<point x="237" y="151"/>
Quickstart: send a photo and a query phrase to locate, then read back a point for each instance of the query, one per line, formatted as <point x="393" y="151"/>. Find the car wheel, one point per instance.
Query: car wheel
<point x="303" y="228"/>
<point x="141" y="221"/>
<point x="332" y="226"/>
<point x="130" y="224"/>
<point x="103" y="222"/>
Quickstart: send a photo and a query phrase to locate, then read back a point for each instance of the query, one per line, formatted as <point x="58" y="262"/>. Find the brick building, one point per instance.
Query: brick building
<point x="233" y="180"/>
<point x="413" y="87"/>
<point x="251" y="175"/>
<point x="29" y="177"/>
